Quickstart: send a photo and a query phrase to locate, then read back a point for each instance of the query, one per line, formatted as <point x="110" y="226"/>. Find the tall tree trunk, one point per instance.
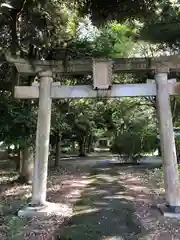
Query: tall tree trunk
<point x="14" y="34"/>
<point x="73" y="147"/>
<point x="18" y="162"/>
<point x="15" y="156"/>
<point x="26" y="173"/>
<point x="58" y="150"/>
<point x="159" y="151"/>
<point x="82" y="148"/>
<point x="90" y="144"/>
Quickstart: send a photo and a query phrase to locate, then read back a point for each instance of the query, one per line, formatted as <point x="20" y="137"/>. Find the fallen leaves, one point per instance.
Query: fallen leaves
<point x="64" y="186"/>
<point x="158" y="226"/>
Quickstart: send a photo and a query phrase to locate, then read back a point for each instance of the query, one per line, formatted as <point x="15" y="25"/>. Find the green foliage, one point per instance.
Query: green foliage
<point x="134" y="143"/>
<point x="115" y="40"/>
<point x="18" y="121"/>
<point x="103" y="11"/>
<point x="163" y="26"/>
<point x="39" y="24"/>
<point x="51" y="28"/>
<point x="129" y="123"/>
<point x="111" y="41"/>
<point x="177" y="140"/>
<point x="135" y="128"/>
<point x="60" y="116"/>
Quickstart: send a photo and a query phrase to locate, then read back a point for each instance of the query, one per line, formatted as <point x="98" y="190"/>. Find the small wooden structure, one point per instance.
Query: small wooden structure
<point x="102" y="71"/>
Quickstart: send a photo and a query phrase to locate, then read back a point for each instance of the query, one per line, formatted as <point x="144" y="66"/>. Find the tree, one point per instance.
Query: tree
<point x="163" y="26"/>
<point x="135" y="130"/>
<point x="113" y="40"/>
<point x="61" y="129"/>
<point x="110" y="41"/>
<point x="18" y="128"/>
<point x="80" y="118"/>
<point x="101" y="11"/>
<point x="53" y="29"/>
<point x="30" y="30"/>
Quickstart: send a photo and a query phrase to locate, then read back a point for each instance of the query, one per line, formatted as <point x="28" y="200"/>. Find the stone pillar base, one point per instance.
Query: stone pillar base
<point x="47" y="210"/>
<point x="169" y="211"/>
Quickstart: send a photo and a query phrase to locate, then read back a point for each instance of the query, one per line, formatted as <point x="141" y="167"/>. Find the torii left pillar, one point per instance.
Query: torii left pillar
<point x="42" y="139"/>
<point x="39" y="206"/>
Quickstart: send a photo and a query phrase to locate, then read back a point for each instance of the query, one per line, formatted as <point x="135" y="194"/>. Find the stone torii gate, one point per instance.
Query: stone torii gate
<point x="102" y="87"/>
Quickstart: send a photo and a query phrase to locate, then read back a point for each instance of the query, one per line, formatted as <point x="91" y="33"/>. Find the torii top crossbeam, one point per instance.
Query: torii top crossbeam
<point x="84" y="66"/>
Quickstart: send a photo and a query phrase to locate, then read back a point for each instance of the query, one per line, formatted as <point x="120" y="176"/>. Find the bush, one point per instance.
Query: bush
<point x="133" y="144"/>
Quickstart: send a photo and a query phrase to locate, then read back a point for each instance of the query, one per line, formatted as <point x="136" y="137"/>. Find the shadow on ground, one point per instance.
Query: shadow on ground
<point x="105" y="211"/>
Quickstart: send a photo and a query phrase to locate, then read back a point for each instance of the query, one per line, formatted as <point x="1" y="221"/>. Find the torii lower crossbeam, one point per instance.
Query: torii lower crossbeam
<point x="86" y="91"/>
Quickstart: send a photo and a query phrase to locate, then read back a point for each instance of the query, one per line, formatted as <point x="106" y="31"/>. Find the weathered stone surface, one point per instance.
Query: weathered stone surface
<point x="169" y="212"/>
<point x="171" y="177"/>
<point x="47" y="210"/>
<point x="85" y="66"/>
<point x="86" y="91"/>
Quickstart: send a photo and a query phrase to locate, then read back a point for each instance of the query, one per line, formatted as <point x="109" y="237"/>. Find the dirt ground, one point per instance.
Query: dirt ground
<point x="119" y="204"/>
<point x="65" y="185"/>
<point x="109" y="203"/>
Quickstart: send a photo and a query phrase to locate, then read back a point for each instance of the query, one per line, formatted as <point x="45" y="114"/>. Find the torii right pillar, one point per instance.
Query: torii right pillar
<point x="171" y="176"/>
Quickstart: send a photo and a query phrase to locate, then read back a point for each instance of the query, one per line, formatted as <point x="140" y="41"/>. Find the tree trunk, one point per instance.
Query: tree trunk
<point x="14" y="155"/>
<point x="73" y="147"/>
<point x="18" y="162"/>
<point x="159" y="151"/>
<point x="82" y="149"/>
<point x="26" y="173"/>
<point x="89" y="144"/>
<point x="58" y="151"/>
<point x="14" y="33"/>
